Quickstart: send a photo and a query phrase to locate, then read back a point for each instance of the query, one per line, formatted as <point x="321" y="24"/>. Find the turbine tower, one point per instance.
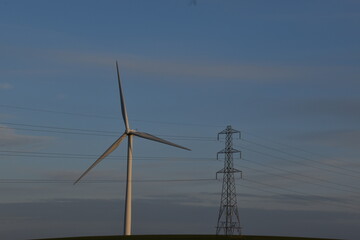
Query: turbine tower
<point x="228" y="220"/>
<point x="128" y="133"/>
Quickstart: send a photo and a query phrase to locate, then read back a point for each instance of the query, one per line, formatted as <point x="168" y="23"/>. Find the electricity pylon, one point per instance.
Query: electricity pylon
<point x="228" y="220"/>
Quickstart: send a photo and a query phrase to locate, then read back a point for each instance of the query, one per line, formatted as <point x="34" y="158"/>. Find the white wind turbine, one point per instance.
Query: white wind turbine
<point x="129" y="133"/>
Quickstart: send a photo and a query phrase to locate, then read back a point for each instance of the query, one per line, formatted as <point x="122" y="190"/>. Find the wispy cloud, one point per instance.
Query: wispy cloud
<point x="5" y="116"/>
<point x="5" y="86"/>
<point x="219" y="70"/>
<point x="9" y="138"/>
<point x="98" y="174"/>
<point x="348" y="138"/>
<point x="298" y="199"/>
<point x="337" y="107"/>
<point x="194" y="68"/>
<point x="61" y="96"/>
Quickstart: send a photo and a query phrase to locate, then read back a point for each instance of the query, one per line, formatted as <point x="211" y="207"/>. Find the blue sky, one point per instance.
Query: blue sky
<point x="285" y="73"/>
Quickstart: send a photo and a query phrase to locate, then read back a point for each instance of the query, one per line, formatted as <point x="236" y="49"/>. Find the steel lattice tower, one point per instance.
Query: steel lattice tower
<point x="228" y="220"/>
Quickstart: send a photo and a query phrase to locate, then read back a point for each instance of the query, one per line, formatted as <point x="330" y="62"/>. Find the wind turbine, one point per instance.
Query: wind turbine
<point x="128" y="133"/>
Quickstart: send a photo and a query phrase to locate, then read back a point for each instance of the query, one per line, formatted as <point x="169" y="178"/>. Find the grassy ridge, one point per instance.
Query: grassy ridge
<point x="186" y="237"/>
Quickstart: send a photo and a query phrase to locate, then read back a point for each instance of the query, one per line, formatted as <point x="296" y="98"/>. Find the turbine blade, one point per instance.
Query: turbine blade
<point x="106" y="153"/>
<point x="122" y="100"/>
<point x="156" y="139"/>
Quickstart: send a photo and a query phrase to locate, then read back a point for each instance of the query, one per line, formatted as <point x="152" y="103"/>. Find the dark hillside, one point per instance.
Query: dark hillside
<point x="186" y="237"/>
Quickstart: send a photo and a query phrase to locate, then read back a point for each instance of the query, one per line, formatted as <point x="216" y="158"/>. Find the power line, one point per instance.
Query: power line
<point x="56" y="155"/>
<point x="69" y="181"/>
<point x="271" y="140"/>
<point x="300" y="194"/>
<point x="313" y="183"/>
<point x="300" y="157"/>
<point x="102" y="181"/>
<point x="108" y="133"/>
<point x="101" y="116"/>
<point x="299" y="163"/>
<point x="94" y="131"/>
<point x="45" y="154"/>
<point x="185" y="137"/>
<point x="58" y="112"/>
<point x="77" y="131"/>
<point x="56" y="127"/>
<point x="301" y="175"/>
<point x="87" y="156"/>
<point x="99" y="181"/>
<point x="64" y="132"/>
<point x="110" y="157"/>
